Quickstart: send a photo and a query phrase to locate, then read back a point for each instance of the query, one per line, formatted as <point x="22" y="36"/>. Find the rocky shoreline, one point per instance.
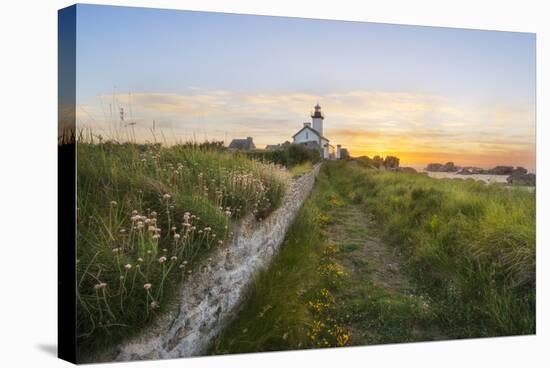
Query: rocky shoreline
<point x="515" y="175"/>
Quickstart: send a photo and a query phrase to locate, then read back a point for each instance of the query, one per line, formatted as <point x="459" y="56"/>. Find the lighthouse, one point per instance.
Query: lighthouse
<point x="317" y="119"/>
<point x="311" y="136"/>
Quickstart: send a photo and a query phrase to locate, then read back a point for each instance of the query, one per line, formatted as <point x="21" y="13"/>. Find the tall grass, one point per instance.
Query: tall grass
<point x="470" y="246"/>
<point x="146" y="215"/>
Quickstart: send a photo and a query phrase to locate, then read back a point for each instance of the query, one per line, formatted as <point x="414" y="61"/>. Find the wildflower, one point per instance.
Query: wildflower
<point x="147" y="286"/>
<point x="122" y="231"/>
<point x="147" y="221"/>
<point x="173" y="258"/>
<point x="140" y="259"/>
<point x="162" y="259"/>
<point x="115" y="250"/>
<point x="176" y="236"/>
<point x="101" y="285"/>
<point x="134" y="213"/>
<point x="167" y="196"/>
<point x="127" y="266"/>
<point x="220" y="242"/>
<point x="154" y="305"/>
<point x="165" y="250"/>
<point x="149" y="251"/>
<point x="152" y="228"/>
<point x="173" y="228"/>
<point x="156" y="236"/>
<point x="153" y="214"/>
<point x="140" y="225"/>
<point x="114" y="204"/>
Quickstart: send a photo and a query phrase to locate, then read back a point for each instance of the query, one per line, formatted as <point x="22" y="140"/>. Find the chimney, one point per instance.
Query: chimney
<point x="307" y="124"/>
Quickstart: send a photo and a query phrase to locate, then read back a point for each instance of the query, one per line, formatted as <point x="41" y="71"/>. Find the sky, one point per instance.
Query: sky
<point x="424" y="94"/>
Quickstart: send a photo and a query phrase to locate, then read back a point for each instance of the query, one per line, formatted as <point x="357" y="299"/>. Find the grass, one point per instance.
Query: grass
<point x="146" y="215"/>
<point x="301" y="169"/>
<point x="466" y="256"/>
<point x="470" y="246"/>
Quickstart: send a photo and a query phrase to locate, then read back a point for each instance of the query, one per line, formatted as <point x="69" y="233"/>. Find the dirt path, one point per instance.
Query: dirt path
<point x="378" y="299"/>
<point x="354" y="233"/>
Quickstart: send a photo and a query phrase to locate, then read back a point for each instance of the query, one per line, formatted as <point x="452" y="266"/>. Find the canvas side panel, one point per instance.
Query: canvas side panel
<point x="66" y="175"/>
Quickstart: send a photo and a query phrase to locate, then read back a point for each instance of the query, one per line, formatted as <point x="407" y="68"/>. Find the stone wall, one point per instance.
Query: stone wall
<point x="212" y="296"/>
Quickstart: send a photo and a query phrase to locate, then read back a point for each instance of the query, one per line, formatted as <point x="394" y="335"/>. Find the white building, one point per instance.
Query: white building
<point x="313" y="136"/>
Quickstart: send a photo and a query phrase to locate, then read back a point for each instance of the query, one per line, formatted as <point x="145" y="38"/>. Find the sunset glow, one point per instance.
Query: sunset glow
<point x="420" y="93"/>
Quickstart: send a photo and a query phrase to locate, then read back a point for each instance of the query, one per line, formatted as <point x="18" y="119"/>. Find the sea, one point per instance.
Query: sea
<point x="453" y="175"/>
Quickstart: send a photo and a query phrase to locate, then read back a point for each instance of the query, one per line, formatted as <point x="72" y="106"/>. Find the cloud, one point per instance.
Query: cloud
<point x="367" y="122"/>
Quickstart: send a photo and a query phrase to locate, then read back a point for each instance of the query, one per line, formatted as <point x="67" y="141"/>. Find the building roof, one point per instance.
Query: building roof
<point x="242" y="144"/>
<point x="313" y="130"/>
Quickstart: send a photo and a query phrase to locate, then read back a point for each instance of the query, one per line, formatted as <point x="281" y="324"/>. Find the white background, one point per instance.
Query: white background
<point x="28" y="187"/>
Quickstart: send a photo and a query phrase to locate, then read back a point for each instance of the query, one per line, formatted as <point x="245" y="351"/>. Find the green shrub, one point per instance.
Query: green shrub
<point x="290" y="155"/>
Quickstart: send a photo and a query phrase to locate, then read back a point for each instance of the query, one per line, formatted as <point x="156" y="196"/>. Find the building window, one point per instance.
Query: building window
<point x="307" y="135"/>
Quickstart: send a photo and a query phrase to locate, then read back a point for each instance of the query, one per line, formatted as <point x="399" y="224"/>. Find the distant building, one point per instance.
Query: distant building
<point x="344" y="154"/>
<point x="242" y="144"/>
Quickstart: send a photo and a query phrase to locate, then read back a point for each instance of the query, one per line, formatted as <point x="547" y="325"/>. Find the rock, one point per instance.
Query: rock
<point x="448" y="167"/>
<point x="501" y="170"/>
<point x="471" y="170"/>
<point x="434" y="167"/>
<point x="522" y="179"/>
<point x="410" y="170"/>
<point x="519" y="170"/>
<point x="465" y="171"/>
<point x="478" y="170"/>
